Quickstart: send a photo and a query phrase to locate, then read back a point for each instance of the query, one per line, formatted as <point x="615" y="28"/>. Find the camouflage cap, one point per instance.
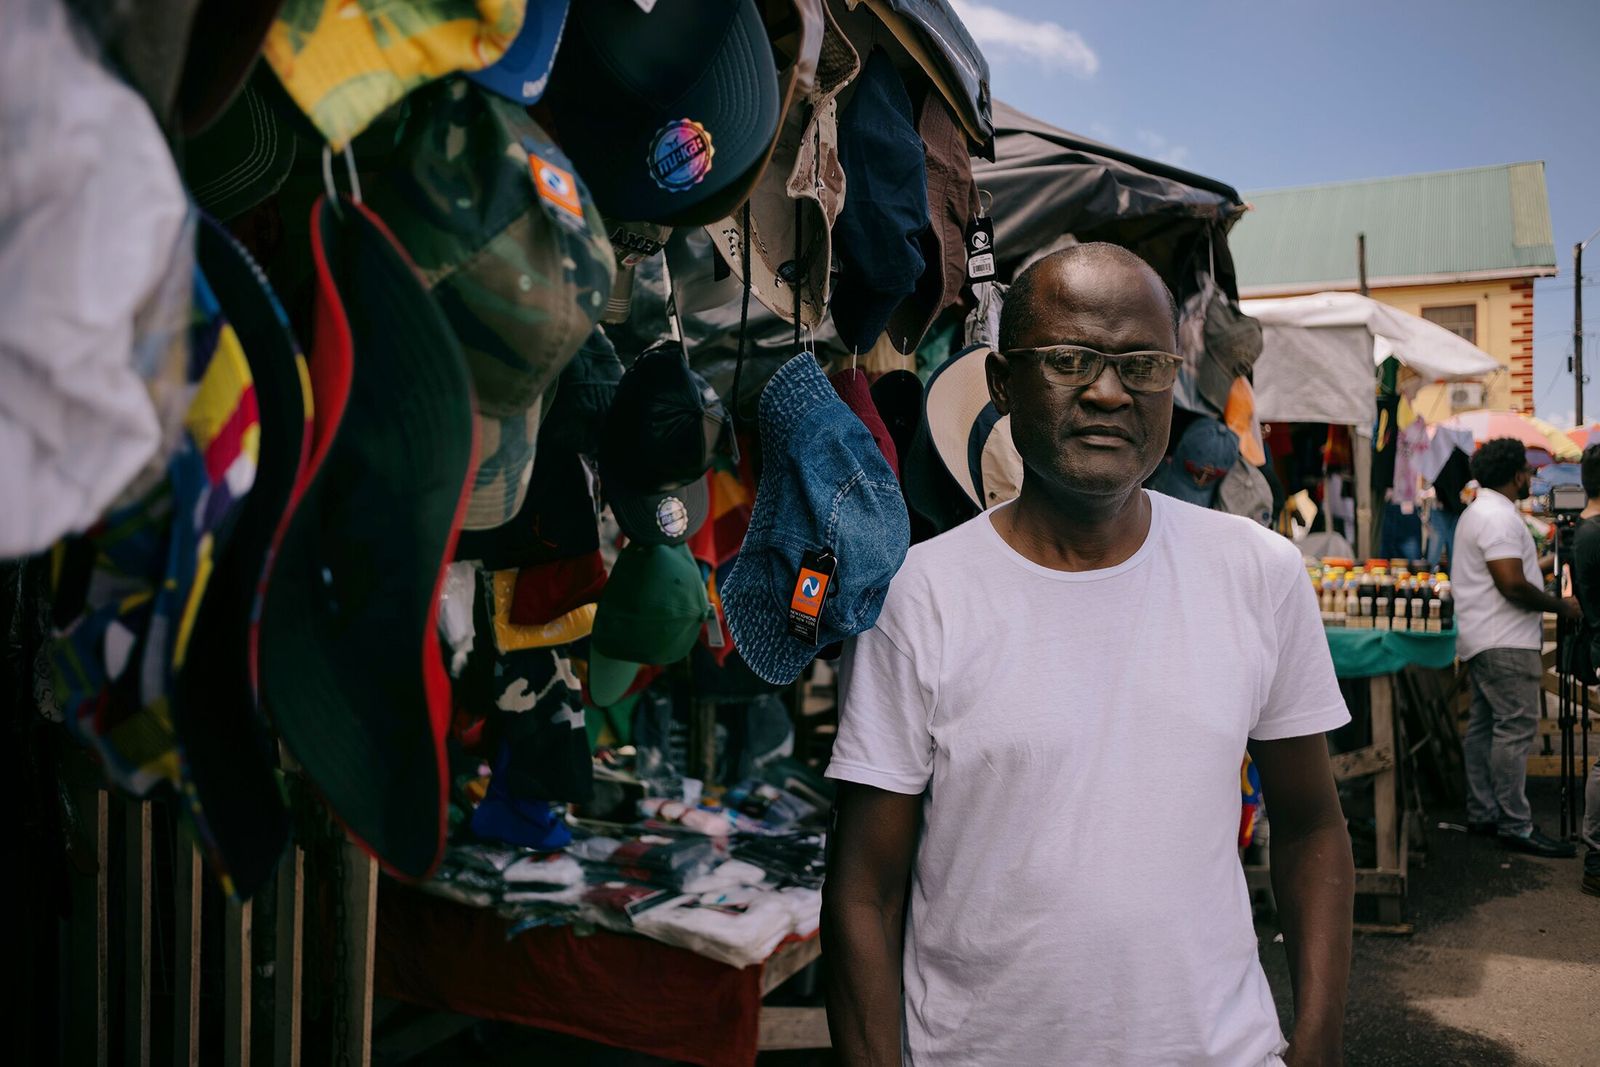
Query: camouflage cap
<point x="505" y="236"/>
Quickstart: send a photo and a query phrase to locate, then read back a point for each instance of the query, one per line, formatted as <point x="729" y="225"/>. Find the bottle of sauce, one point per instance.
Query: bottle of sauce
<point x="1447" y="608"/>
<point x="1381" y="618"/>
<point x="1368" y="596"/>
<point x="1402" y="605"/>
<point x="1352" y="607"/>
<point x="1419" y="606"/>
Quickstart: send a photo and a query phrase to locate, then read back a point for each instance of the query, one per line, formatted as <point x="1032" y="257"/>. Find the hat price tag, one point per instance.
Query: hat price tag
<point x="811" y="587"/>
<point x="980" y="248"/>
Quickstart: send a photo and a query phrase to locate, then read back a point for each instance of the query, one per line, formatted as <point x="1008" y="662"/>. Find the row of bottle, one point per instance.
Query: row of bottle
<point x="1418" y="603"/>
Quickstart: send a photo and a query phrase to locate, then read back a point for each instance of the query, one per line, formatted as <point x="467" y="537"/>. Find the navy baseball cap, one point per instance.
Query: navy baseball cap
<point x="877" y="237"/>
<point x="825" y="490"/>
<point x="1205" y="454"/>
<point x="523" y="72"/>
<point x="668" y="113"/>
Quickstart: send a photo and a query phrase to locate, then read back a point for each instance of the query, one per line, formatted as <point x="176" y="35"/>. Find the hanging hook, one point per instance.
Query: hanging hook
<point x="984" y="209"/>
<point x="327" y="178"/>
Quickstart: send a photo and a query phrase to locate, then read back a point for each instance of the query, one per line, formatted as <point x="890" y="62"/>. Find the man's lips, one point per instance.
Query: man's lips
<point x="1103" y="436"/>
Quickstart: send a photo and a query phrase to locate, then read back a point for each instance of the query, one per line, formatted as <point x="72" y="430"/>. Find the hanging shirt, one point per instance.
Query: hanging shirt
<point x="1411" y="449"/>
<point x="1077" y="896"/>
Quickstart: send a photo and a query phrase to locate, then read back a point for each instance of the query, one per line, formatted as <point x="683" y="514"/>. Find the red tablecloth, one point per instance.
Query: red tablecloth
<point x="625" y="991"/>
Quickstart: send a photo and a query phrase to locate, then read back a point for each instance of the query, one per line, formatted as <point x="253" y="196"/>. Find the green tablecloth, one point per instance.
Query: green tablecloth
<point x="1369" y="653"/>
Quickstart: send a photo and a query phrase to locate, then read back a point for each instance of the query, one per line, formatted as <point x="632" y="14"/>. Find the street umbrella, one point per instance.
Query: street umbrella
<point x="1531" y="431"/>
<point x="1584" y="436"/>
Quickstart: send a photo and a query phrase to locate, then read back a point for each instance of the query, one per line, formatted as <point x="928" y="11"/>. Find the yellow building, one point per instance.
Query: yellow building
<point x="1459" y="247"/>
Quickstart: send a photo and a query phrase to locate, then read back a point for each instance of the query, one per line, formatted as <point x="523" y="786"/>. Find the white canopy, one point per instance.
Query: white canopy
<point x="1319" y="351"/>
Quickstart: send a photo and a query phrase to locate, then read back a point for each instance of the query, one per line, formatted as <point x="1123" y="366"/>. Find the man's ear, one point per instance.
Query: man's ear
<point x="998" y="371"/>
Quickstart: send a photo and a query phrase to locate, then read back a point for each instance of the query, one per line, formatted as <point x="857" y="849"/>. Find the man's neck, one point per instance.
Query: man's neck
<point x="1074" y="533"/>
<point x="1507" y="491"/>
<point x="1591" y="509"/>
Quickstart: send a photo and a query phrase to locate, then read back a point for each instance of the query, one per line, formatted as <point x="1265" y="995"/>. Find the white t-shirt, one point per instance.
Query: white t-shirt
<point x="1492" y="528"/>
<point x="1077" y="896"/>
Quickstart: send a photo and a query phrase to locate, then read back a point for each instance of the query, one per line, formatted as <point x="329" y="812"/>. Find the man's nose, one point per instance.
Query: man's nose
<point x="1107" y="391"/>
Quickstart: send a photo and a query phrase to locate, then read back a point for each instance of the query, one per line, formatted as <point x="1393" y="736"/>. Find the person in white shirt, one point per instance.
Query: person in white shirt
<point x="1034" y="855"/>
<point x="1500" y="606"/>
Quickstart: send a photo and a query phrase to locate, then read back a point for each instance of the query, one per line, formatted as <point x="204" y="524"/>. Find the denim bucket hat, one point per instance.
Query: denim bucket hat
<point x="825" y="491"/>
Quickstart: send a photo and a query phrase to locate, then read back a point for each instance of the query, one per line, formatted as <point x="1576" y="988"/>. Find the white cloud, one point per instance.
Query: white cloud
<point x="1047" y="44"/>
<point x="1159" y="148"/>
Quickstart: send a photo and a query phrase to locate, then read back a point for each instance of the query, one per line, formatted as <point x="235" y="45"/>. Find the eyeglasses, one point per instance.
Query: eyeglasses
<point x="1074" y="366"/>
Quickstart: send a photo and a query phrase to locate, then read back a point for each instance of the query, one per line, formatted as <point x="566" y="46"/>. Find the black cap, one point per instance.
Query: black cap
<point x="664" y="427"/>
<point x="666" y="114"/>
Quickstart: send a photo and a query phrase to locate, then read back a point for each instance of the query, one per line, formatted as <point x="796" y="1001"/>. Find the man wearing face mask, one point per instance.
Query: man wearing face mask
<point x="1500" y="603"/>
<point x="1034" y="859"/>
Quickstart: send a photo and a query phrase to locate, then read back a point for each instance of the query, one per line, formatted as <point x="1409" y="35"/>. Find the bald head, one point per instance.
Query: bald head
<point x="1078" y="275"/>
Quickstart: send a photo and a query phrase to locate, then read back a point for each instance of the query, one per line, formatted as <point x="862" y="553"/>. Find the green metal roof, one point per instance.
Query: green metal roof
<point x="1419" y="226"/>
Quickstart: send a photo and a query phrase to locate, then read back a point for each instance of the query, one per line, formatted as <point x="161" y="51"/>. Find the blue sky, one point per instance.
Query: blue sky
<point x="1262" y="95"/>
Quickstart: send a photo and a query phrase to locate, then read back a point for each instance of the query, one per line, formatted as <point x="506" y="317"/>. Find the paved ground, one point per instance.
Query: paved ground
<point x="1503" y="970"/>
<point x="1504" y="966"/>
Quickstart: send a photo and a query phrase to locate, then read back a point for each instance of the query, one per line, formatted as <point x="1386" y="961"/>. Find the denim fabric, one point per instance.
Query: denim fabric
<point x="1442" y="526"/>
<point x="1500" y="734"/>
<point x="1402" y="534"/>
<point x="824" y="485"/>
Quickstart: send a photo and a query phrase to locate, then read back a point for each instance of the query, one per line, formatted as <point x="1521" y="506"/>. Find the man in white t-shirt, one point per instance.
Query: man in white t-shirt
<point x="1034" y="857"/>
<point x="1500" y="606"/>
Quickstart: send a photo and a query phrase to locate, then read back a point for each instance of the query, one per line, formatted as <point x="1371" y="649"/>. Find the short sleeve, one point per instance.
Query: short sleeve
<point x="1502" y="538"/>
<point x="1304" y="696"/>
<point x="884" y="738"/>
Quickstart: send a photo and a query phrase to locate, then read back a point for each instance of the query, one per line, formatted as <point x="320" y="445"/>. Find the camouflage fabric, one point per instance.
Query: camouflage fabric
<point x="347" y="61"/>
<point x="506" y="237"/>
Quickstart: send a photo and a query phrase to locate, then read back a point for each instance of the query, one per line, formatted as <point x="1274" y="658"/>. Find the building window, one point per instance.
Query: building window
<point x="1459" y="319"/>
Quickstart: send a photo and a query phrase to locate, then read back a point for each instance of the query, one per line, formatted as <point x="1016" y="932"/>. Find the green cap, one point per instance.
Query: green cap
<point x="504" y="233"/>
<point x="651" y="611"/>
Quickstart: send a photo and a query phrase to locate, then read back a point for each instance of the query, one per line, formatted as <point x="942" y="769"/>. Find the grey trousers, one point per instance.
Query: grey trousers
<point x="1500" y="734"/>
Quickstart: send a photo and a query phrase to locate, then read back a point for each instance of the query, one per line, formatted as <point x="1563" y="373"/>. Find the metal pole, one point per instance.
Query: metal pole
<point x="1577" y="330"/>
<point x="1361" y="263"/>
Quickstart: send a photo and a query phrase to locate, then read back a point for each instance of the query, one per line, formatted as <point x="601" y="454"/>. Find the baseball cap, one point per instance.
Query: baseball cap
<point x="345" y="62"/>
<point x="651" y="612"/>
<point x="1206" y="452"/>
<point x="493" y="214"/>
<point x="824" y="489"/>
<point x="669" y="109"/>
<point x="661" y="433"/>
<point x="851" y="385"/>
<point x="545" y="592"/>
<point x="878" y="232"/>
<point x="224" y="43"/>
<point x="242" y="157"/>
<point x="795" y="204"/>
<point x="509" y="636"/>
<point x="350" y="664"/>
<point x="952" y="203"/>
<point x="523" y="72"/>
<point x="229" y="757"/>
<point x="633" y="243"/>
<point x="898" y="397"/>
<point x="971" y="438"/>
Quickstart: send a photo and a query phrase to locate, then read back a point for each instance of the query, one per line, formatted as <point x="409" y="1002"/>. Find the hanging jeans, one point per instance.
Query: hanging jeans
<point x="1500" y="734"/>
<point x="1442" y="528"/>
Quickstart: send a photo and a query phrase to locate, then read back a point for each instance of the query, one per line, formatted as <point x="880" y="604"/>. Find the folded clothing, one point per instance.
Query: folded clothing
<point x="739" y="926"/>
<point x="555" y="870"/>
<point x="727" y="875"/>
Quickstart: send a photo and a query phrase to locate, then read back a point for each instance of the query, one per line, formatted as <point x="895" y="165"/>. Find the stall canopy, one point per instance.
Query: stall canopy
<point x="1047" y="183"/>
<point x="1319" y="355"/>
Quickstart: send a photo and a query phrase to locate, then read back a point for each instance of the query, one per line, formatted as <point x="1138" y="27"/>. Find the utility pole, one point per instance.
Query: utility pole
<point x="1361" y="262"/>
<point x="1577" y="329"/>
<point x="1577" y="325"/>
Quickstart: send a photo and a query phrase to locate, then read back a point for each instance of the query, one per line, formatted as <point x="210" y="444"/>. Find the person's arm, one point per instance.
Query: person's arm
<point x="1313" y="877"/>
<point x="863" y="920"/>
<point x="1515" y="587"/>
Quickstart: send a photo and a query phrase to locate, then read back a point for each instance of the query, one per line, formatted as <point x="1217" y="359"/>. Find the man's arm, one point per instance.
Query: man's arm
<point x="1313" y="876"/>
<point x="1515" y="587"/>
<point x="863" y="914"/>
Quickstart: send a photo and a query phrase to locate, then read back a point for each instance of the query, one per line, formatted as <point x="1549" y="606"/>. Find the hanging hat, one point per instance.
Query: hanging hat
<point x="502" y="229"/>
<point x="886" y="208"/>
<point x="1205" y="454"/>
<point x="971" y="438"/>
<point x="898" y="397"/>
<point x="229" y="756"/>
<point x="345" y="62"/>
<point x="664" y="427"/>
<point x="350" y="665"/>
<point x="242" y="157"/>
<point x="523" y="72"/>
<point x="825" y="493"/>
<point x="795" y="204"/>
<point x="669" y="110"/>
<point x="651" y="612"/>
<point x="224" y="43"/>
